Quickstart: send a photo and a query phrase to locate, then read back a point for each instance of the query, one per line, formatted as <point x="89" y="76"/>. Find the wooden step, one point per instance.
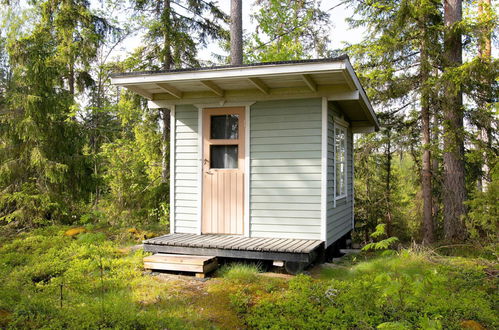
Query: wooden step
<point x="201" y="265"/>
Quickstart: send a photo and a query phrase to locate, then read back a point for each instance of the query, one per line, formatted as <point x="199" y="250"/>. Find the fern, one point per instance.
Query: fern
<point x="384" y="243"/>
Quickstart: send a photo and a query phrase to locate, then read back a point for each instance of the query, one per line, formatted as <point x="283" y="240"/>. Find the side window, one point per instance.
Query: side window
<point x="340" y="160"/>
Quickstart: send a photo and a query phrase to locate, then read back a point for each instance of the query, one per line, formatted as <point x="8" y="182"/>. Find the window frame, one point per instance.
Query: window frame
<point x="343" y="126"/>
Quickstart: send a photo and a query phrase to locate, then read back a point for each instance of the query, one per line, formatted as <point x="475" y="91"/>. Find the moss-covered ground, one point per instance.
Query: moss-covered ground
<point x="92" y="277"/>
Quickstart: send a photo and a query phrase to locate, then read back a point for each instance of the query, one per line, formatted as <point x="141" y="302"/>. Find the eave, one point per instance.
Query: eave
<point x="334" y="79"/>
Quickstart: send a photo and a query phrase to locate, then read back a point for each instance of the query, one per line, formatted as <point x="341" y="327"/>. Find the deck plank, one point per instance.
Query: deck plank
<point x="300" y="247"/>
<point x="280" y="246"/>
<point x="233" y="242"/>
<point x="293" y="245"/>
<point x="252" y="245"/>
<point x="274" y="245"/>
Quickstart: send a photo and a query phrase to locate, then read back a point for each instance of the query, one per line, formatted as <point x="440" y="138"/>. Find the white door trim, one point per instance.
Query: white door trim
<point x="247" y="168"/>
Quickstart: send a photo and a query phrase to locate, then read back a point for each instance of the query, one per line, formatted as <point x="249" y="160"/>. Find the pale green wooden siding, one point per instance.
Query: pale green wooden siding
<point x="339" y="218"/>
<point x="285" y="167"/>
<point x="186" y="169"/>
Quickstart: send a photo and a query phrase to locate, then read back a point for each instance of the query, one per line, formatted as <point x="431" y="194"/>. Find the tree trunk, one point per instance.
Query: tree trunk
<point x="485" y="44"/>
<point x="435" y="164"/>
<point x="388" y="184"/>
<point x="236" y="32"/>
<point x="165" y="139"/>
<point x="426" y="175"/>
<point x="166" y="19"/>
<point x="485" y="52"/>
<point x="454" y="190"/>
<point x="165" y="113"/>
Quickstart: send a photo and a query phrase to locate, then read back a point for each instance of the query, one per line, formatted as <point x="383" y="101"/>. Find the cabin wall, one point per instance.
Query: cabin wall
<point x="285" y="182"/>
<point x="186" y="169"/>
<point x="340" y="216"/>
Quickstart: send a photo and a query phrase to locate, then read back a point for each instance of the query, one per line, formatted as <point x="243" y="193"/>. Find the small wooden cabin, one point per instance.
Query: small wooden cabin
<point x="259" y="151"/>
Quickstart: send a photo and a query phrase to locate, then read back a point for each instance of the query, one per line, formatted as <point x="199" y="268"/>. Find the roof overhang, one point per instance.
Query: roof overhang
<point x="334" y="79"/>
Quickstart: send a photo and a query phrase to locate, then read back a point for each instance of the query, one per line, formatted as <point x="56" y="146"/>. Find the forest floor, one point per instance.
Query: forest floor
<point x="92" y="277"/>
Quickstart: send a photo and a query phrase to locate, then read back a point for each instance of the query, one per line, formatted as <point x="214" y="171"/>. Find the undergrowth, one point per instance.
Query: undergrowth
<point x="93" y="279"/>
<point x="88" y="281"/>
<point x="409" y="290"/>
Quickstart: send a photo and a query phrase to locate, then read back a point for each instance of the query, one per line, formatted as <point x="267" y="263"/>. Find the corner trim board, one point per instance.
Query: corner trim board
<point x="173" y="125"/>
<point x="247" y="171"/>
<point x="324" y="171"/>
<point x="200" y="170"/>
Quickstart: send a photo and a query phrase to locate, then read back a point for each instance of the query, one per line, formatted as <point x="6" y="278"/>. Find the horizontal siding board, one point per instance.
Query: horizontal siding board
<point x="281" y="185"/>
<point x="285" y="206"/>
<point x="298" y="163"/>
<point x="284" y="110"/>
<point x="286" y="213"/>
<point x="186" y="176"/>
<point x="286" y="221"/>
<point x="189" y="197"/>
<point x="311" y="124"/>
<point x="264" y="234"/>
<point x="286" y="177"/>
<point x="286" y="228"/>
<point x="186" y="169"/>
<point x="186" y="149"/>
<point x="281" y="155"/>
<point x="186" y="137"/>
<point x="186" y="190"/>
<point x="289" y="118"/>
<point x="283" y="133"/>
<point x="285" y="140"/>
<point x="286" y="199"/>
<point x="186" y="155"/>
<point x="285" y="169"/>
<point x="285" y="192"/>
<point x="286" y="147"/>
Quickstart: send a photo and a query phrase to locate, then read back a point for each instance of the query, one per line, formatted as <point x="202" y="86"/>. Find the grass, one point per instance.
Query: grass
<point x="103" y="285"/>
<point x="240" y="272"/>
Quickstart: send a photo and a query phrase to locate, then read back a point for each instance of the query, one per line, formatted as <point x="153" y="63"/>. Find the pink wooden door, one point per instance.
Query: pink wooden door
<point x="223" y="171"/>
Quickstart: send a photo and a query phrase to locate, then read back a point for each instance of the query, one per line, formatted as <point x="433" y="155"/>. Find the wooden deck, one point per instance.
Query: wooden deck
<point x="229" y="246"/>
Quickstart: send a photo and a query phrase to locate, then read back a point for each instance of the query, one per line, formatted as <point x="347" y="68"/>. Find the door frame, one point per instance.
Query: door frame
<point x="247" y="166"/>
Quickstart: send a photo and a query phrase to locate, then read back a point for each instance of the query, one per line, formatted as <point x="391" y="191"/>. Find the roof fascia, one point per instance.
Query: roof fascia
<point x="362" y="93"/>
<point x="238" y="72"/>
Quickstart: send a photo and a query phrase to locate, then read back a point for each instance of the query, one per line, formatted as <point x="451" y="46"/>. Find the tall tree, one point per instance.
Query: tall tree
<point x="44" y="174"/>
<point x="485" y="53"/>
<point x="426" y="175"/>
<point x="289" y="30"/>
<point x="176" y="30"/>
<point x="454" y="189"/>
<point x="236" y="32"/>
<point x="396" y="62"/>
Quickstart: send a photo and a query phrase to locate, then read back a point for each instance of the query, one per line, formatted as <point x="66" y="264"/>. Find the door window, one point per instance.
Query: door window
<point x="223" y="156"/>
<point x="224" y="127"/>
